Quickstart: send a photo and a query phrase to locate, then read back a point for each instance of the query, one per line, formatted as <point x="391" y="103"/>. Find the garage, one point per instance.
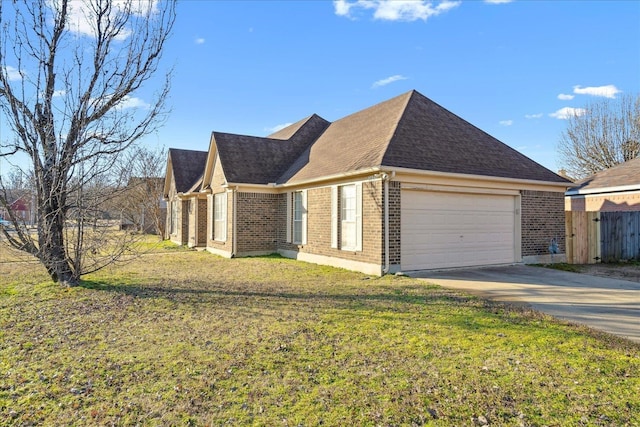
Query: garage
<point x="451" y="229"/>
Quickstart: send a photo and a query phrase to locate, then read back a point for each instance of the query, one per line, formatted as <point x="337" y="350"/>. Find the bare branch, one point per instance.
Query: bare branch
<point x="608" y="133"/>
<point x="80" y="64"/>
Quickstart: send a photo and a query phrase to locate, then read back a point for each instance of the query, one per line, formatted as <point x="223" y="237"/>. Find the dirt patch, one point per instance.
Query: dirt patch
<point x="617" y="271"/>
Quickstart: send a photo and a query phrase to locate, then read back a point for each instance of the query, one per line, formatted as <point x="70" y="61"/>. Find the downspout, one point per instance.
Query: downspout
<point x="234" y="242"/>
<point x="385" y="181"/>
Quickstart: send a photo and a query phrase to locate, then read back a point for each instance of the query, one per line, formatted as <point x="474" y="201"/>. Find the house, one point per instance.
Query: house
<point x="186" y="212"/>
<point x="616" y="189"/>
<point x="20" y="203"/>
<point x="402" y="185"/>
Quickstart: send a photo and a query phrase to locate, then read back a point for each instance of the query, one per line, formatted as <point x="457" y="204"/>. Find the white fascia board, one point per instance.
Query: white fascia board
<point x="478" y="177"/>
<point x="307" y="182"/>
<point x="342" y="175"/>
<point x="618" y="189"/>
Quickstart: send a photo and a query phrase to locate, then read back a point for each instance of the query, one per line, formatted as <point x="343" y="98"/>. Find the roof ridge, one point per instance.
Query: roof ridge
<point x="410" y="95"/>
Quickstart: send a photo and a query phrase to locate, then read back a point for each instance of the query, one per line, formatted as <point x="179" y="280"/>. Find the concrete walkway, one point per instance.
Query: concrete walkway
<point x="610" y="305"/>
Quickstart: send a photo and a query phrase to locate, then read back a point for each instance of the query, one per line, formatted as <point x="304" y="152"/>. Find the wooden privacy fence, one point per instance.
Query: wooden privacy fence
<point x="602" y="236"/>
<point x="583" y="237"/>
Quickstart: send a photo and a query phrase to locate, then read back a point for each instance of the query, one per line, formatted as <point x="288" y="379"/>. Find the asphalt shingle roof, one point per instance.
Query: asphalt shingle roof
<point x="624" y="174"/>
<point x="257" y="160"/>
<point x="188" y="166"/>
<point x="411" y="131"/>
<point x="408" y="131"/>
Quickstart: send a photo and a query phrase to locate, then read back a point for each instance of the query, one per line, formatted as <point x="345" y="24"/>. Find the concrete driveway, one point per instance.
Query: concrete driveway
<point x="610" y="305"/>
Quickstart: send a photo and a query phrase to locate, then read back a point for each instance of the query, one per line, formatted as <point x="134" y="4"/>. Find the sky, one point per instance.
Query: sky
<point x="515" y="69"/>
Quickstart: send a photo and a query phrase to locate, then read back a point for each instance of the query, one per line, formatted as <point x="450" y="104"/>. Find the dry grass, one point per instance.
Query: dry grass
<point x="187" y="338"/>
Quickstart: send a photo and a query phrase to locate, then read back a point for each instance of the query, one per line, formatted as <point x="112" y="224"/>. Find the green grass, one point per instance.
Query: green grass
<point x="188" y="338"/>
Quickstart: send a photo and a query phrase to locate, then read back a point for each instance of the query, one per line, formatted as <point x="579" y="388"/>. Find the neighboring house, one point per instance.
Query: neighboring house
<point x="20" y="202"/>
<point x="615" y="189"/>
<point x="186" y="208"/>
<point x="403" y="185"/>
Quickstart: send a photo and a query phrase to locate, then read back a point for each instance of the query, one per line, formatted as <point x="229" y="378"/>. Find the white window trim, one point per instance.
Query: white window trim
<point x="336" y="220"/>
<point x="303" y="219"/>
<point x="223" y="213"/>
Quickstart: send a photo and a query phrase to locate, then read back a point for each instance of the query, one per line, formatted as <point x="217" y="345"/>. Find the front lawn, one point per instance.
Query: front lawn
<point x="187" y="338"/>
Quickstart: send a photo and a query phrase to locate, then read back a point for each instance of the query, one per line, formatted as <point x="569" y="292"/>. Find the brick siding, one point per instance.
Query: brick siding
<point x="319" y="225"/>
<point x="257" y="222"/>
<point x="202" y="221"/>
<point x="394" y="223"/>
<point x="542" y="214"/>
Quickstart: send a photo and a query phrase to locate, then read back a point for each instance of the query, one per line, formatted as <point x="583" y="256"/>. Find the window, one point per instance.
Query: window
<point x="346" y="217"/>
<point x="297" y="217"/>
<point x="220" y="217"/>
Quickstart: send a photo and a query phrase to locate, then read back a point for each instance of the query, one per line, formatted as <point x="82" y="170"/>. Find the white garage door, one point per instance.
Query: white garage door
<point x="443" y="230"/>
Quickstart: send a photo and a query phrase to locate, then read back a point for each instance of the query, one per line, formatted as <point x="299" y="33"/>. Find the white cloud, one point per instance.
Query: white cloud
<point x="132" y="102"/>
<point x="81" y="19"/>
<point x="388" y="80"/>
<point x="506" y="122"/>
<point x="565" y="97"/>
<point x="13" y="73"/>
<point x="608" y="91"/>
<point x="395" y="10"/>
<point x="342" y="7"/>
<point x="199" y="40"/>
<point x="533" y="116"/>
<point x="57" y="93"/>
<point x="568" y="112"/>
<point x="276" y="128"/>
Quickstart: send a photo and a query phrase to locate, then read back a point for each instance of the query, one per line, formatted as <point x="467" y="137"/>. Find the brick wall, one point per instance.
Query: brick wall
<point x="542" y="216"/>
<point x="202" y="221"/>
<point x="394" y="222"/>
<point x="257" y="222"/>
<point x="319" y="225"/>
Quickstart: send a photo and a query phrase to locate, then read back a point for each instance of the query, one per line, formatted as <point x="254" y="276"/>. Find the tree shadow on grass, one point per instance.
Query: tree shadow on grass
<point x="202" y="294"/>
<point x="421" y="300"/>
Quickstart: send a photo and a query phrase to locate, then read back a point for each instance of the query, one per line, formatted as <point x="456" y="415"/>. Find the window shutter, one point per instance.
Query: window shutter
<point x="304" y="217"/>
<point x="359" y="217"/>
<point x="334" y="217"/>
<point x="223" y="209"/>
<point x="289" y="219"/>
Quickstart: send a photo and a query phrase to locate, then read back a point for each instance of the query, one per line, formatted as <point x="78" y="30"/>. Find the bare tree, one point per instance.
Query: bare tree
<point x="69" y="75"/>
<point x="141" y="202"/>
<point x="605" y="134"/>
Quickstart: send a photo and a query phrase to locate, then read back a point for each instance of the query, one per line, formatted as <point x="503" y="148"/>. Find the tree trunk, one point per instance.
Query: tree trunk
<point x="52" y="252"/>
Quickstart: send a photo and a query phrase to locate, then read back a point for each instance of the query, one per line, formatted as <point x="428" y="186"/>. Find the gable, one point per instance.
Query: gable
<point x="218" y="178"/>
